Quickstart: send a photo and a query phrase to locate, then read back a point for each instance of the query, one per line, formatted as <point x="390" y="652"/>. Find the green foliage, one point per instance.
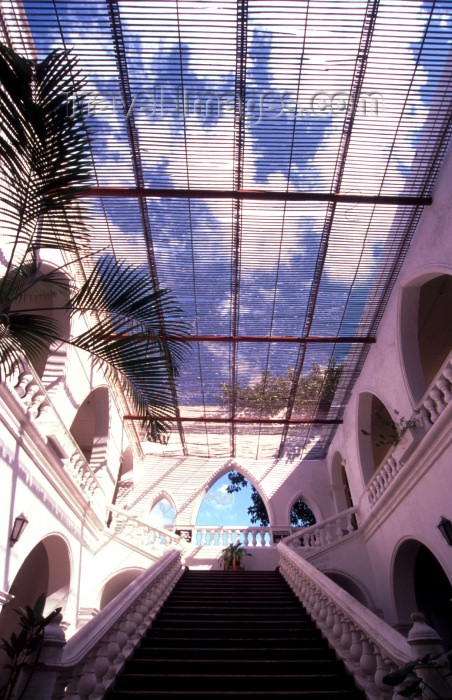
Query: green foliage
<point x="415" y="688"/>
<point x="45" y="160"/>
<point x="300" y="514"/>
<point x="20" y="647"/>
<point x="392" y="431"/>
<point x="233" y="555"/>
<point x="270" y="394"/>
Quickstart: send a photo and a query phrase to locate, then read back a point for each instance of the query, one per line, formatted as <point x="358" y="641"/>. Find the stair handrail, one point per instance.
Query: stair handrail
<point x="369" y="647"/>
<point x="169" y="537"/>
<point x="87" y="665"/>
<point x="311" y="536"/>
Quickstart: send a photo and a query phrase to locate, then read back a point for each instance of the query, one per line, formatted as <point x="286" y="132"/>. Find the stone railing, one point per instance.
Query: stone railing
<point x="32" y="395"/>
<point x="140" y="534"/>
<point x="223" y="536"/>
<point x="438" y="396"/>
<point x="325" y="533"/>
<point x="368" y="646"/>
<point x="434" y="402"/>
<point x="86" y="666"/>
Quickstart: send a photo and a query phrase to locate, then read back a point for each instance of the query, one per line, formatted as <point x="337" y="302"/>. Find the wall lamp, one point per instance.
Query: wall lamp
<point x="445" y="528"/>
<point x="20" y="523"/>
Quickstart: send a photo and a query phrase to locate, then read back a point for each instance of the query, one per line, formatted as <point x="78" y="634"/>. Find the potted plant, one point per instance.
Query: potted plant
<point x="232" y="556"/>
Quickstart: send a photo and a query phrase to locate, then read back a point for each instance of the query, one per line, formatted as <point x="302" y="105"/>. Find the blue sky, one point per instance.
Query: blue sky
<point x="222" y="508"/>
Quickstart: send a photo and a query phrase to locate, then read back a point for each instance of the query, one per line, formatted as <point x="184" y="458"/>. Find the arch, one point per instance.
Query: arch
<point x="46" y="569"/>
<point x="424" y="308"/>
<point x="311" y="515"/>
<point x="161" y="514"/>
<point x="350" y="585"/>
<point x="51" y="365"/>
<point x="230" y="466"/>
<point x="420" y="583"/>
<point x="376" y="433"/>
<point x="90" y="427"/>
<point x="339" y="483"/>
<point x="116" y="584"/>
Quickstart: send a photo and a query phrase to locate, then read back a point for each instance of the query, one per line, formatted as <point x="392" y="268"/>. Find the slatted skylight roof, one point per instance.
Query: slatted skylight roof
<point x="284" y="113"/>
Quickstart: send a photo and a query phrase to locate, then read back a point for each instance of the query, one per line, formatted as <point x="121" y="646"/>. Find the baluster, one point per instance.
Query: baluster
<point x="338" y="625"/>
<point x="356" y="645"/>
<point x="368" y="661"/>
<point x="24" y="380"/>
<point x="444" y="385"/>
<point x="346" y="637"/>
<point x="430" y="405"/>
<point x="384" y="667"/>
<point x="437" y="396"/>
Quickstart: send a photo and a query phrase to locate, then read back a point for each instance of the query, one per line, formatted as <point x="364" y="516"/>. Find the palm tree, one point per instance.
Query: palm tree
<point x="136" y="333"/>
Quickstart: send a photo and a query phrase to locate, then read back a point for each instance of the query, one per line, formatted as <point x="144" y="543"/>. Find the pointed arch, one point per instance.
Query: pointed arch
<point x="222" y="471"/>
<point x="158" y="500"/>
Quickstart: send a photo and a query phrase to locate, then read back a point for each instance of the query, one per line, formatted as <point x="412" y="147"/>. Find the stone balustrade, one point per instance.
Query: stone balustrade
<point x="369" y="647"/>
<point x="438" y="396"/>
<point x="325" y="533"/>
<point x="140" y="534"/>
<point x="34" y="399"/>
<point x="223" y="536"/>
<point x="86" y="666"/>
<point x="434" y="402"/>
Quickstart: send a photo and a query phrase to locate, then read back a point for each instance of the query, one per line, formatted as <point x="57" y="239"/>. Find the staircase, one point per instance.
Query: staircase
<point x="225" y="634"/>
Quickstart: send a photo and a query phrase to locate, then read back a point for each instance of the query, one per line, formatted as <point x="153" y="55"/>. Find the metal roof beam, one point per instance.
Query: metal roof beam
<point x="259" y="195"/>
<point x="248" y="420"/>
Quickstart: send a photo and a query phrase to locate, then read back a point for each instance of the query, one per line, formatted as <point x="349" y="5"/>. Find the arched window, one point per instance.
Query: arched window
<point x="162" y="513"/>
<point x="301" y="515"/>
<point x="232" y="500"/>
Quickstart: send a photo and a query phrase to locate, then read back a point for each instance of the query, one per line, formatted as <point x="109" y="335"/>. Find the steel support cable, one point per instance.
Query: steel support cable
<point x="238" y="154"/>
<point x="352" y="106"/>
<point x="133" y="138"/>
<point x="187" y="170"/>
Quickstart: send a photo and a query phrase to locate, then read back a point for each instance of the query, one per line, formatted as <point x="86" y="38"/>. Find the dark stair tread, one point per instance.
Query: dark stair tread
<point x="253" y="694"/>
<point x="231" y="653"/>
<point x="220" y="632"/>
<point x="237" y="681"/>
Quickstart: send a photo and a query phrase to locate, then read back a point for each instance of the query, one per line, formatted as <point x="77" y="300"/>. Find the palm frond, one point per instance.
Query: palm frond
<point x="140" y="334"/>
<point x="44" y="150"/>
<point x="25" y="335"/>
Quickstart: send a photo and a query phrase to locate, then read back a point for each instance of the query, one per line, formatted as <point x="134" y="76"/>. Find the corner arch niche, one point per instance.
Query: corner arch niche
<point x="376" y="433"/>
<point x="426" y="330"/>
<point x="90" y="427"/>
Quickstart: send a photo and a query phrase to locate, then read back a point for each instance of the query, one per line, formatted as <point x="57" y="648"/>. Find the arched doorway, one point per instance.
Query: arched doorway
<point x="420" y="583"/>
<point x="117" y="584"/>
<point x="46" y="570"/>
<point x="348" y="585"/>
<point x="232" y="500"/>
